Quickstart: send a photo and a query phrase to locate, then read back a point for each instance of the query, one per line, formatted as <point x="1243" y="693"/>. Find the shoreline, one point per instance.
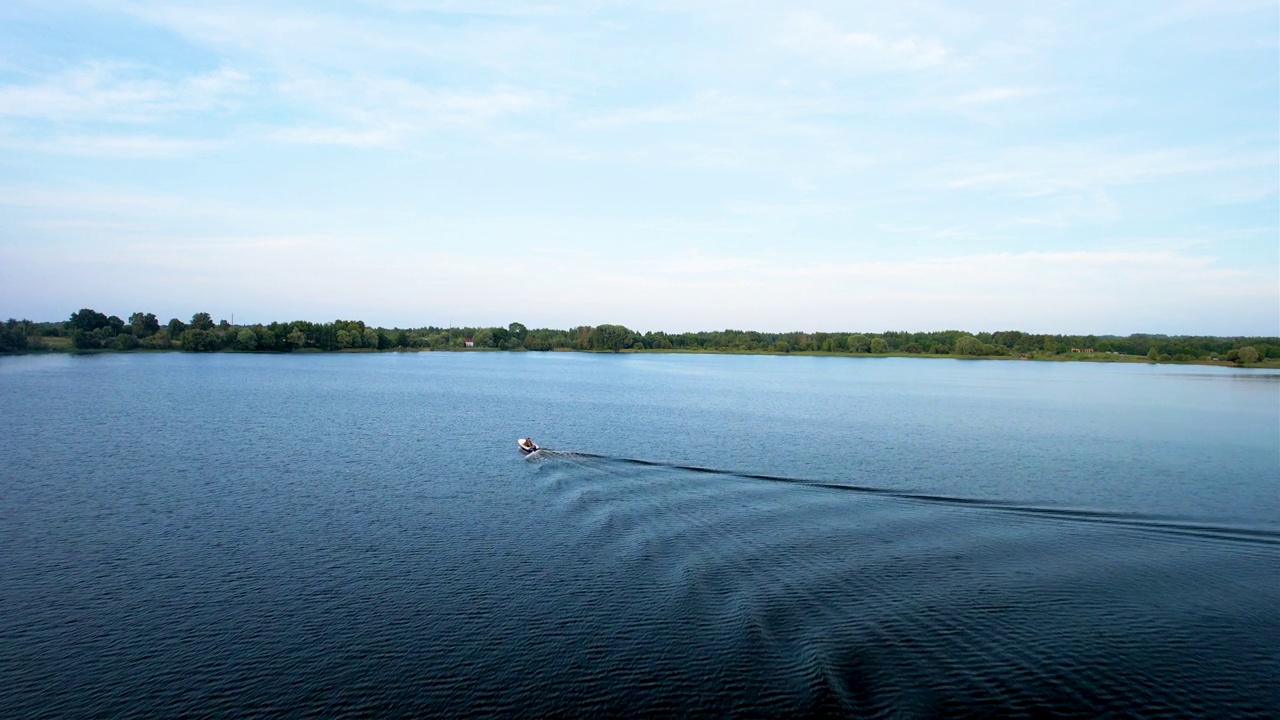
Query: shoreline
<point x="1269" y="364"/>
<point x="1095" y="358"/>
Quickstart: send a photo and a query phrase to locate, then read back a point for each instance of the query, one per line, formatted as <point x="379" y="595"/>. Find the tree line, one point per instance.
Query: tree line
<point x="88" y="329"/>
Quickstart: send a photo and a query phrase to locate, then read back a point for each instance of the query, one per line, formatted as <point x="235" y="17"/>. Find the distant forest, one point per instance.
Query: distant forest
<point x="89" y="330"/>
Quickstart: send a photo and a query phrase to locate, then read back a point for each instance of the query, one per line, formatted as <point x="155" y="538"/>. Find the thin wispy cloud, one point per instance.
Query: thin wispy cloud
<point x="813" y="36"/>
<point x="1051" y="169"/>
<point x="104" y="91"/>
<point x="116" y="146"/>
<point x="384" y="137"/>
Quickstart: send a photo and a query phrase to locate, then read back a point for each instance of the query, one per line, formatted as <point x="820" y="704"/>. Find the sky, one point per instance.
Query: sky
<point x="1053" y="167"/>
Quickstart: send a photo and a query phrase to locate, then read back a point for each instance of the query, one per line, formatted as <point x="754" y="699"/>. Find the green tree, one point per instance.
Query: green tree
<point x="518" y="332"/>
<point x="247" y="339"/>
<point x="859" y="343"/>
<point x="968" y="345"/>
<point x="296" y="338"/>
<point x="12" y="338"/>
<point x="196" y="340"/>
<point x="502" y="338"/>
<point x="202" y="321"/>
<point x="102" y="334"/>
<point x="268" y="337"/>
<point x="124" y="341"/>
<point x="483" y="338"/>
<point x="609" y="337"/>
<point x="88" y="320"/>
<point x="158" y="341"/>
<point x="82" y="340"/>
<point x="144" y="324"/>
<point x="879" y="346"/>
<point x="1247" y="354"/>
<point x="1153" y="354"/>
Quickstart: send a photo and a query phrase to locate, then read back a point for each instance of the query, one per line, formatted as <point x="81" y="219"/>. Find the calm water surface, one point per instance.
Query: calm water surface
<point x="356" y="535"/>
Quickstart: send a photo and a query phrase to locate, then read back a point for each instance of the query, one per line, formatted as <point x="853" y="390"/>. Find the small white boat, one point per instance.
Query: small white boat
<point x="527" y="445"/>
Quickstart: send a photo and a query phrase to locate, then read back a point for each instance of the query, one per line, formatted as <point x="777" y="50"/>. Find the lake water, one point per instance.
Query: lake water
<point x="714" y="536"/>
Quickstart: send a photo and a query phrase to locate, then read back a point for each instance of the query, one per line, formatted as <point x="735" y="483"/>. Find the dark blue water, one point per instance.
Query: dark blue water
<point x="356" y="535"/>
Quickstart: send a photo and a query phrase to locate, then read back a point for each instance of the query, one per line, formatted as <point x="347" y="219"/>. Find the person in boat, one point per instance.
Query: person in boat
<point x="527" y="445"/>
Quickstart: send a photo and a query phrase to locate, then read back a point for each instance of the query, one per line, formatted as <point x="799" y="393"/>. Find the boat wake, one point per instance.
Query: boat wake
<point x="862" y="601"/>
<point x="1141" y="521"/>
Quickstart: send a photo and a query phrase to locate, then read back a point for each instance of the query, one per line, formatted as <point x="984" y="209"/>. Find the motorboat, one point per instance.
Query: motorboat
<point x="527" y="446"/>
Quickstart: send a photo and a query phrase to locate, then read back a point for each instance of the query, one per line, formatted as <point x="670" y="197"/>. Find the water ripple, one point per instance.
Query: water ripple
<point x="889" y="603"/>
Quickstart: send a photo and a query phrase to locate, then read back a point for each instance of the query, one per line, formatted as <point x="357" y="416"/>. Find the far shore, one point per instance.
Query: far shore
<point x="61" y="345"/>
<point x="1058" y="357"/>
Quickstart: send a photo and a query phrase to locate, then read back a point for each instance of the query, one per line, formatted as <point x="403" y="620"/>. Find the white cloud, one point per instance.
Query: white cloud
<point x="994" y="95"/>
<point x="385" y="111"/>
<point x="1198" y="10"/>
<point x="105" y="201"/>
<point x="1044" y="170"/>
<point x="100" y="91"/>
<point x="290" y="40"/>
<point x="384" y="137"/>
<point x="716" y="106"/>
<point x="499" y="8"/>
<point x="48" y="217"/>
<point x="115" y="146"/>
<point x="808" y="34"/>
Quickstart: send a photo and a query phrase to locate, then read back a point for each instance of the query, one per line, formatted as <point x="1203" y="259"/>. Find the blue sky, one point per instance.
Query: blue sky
<point x="1073" y="167"/>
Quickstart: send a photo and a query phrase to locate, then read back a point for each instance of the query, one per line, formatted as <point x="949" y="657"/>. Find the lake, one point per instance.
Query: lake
<point x="703" y="536"/>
